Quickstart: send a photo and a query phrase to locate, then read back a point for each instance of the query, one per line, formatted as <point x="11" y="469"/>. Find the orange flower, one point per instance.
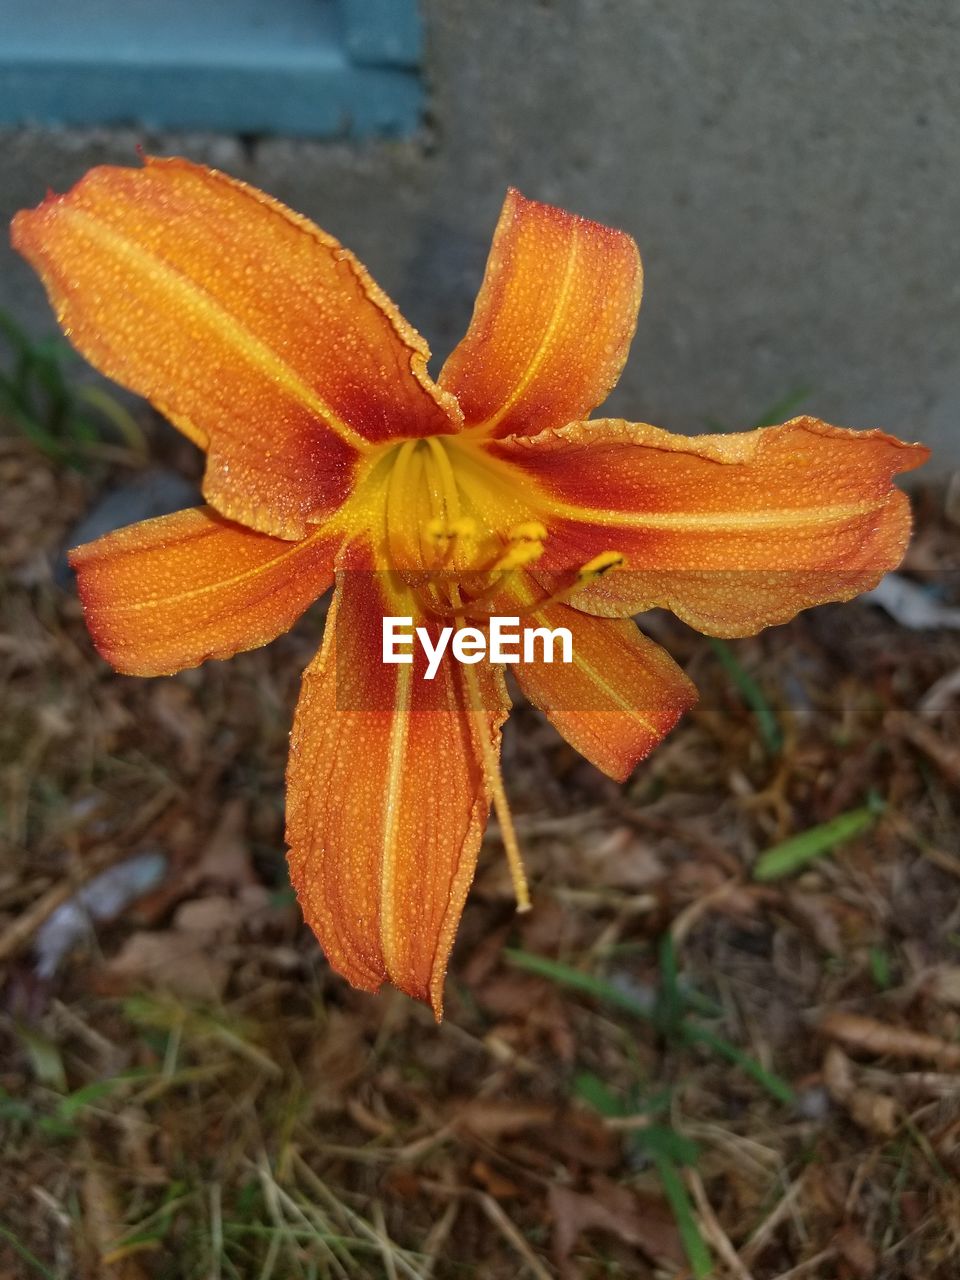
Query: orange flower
<point x="331" y="453"/>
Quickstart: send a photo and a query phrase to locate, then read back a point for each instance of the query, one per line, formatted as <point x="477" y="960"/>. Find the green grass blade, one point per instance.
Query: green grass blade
<point x="694" y="1245"/>
<point x="751" y="693"/>
<point x="17" y="339"/>
<point x="118" y="416"/>
<point x="779" y="411"/>
<point x="796" y="853"/>
<point x="25" y="1254"/>
<point x="774" y="1084"/>
<point x="592" y="1090"/>
<point x="782" y="410"/>
<point x="662" y="1139"/>
<point x="575" y="980"/>
<point x="670" y="1004"/>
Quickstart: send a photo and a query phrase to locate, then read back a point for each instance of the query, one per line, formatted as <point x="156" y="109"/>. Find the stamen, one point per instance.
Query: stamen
<point x="587" y="573"/>
<point x="400" y="536"/>
<point x="529" y="531"/>
<point x="599" y="565"/>
<point x="448" y="481"/>
<point x="498" y="795"/>
<point x="518" y="555"/>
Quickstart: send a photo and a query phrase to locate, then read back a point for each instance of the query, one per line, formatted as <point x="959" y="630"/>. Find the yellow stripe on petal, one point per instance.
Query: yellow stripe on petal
<point x="387" y="795"/>
<point x="731" y="532"/>
<point x="256" y="333"/>
<point x="169" y="593"/>
<point x="619" y="696"/>
<point x="552" y="324"/>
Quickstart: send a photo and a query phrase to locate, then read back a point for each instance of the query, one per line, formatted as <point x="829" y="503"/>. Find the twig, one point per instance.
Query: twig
<point x="712" y="1228"/>
<point x="385" y="1242"/>
<point x="356" y="1220"/>
<point x="784" y="1206"/>
<point x="510" y="1233"/>
<point x="437" y="1236"/>
<point x="803" y="1267"/>
<point x="26" y="924"/>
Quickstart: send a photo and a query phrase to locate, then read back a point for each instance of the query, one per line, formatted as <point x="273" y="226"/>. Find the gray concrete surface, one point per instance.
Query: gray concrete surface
<point x="791" y="172"/>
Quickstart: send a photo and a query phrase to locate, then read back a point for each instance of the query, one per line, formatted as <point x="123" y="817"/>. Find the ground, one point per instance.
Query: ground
<point x="672" y="1067"/>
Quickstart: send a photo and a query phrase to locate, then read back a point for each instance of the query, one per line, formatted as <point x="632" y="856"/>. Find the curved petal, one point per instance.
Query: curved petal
<point x="258" y="336"/>
<point x="552" y="324"/>
<point x="731" y="532"/>
<point x="167" y="594"/>
<point x="386" y="796"/>
<point x="620" y="695"/>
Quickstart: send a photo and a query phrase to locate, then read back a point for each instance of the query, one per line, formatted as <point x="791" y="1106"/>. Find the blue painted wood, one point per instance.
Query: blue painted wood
<point x="382" y="33"/>
<point x="240" y="66"/>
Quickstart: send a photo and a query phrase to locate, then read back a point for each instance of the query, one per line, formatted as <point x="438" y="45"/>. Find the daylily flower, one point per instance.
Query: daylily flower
<point x="332" y="455"/>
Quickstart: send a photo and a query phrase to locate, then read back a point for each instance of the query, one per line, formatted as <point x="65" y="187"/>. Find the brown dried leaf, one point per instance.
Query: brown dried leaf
<point x="816" y="912"/>
<point x="617" y="859"/>
<point x="336" y="1062"/>
<point x="172" y="961"/>
<point x="487" y="1118"/>
<point x="644" y="1222"/>
<point x="858" y="1253"/>
<point x="943" y="984"/>
<point x="210" y="916"/>
<point x="172" y="706"/>
<point x="225" y="858"/>
<point x="944" y="754"/>
<point x="866" y="1035"/>
<point x="494" y="1183"/>
<point x="871" y="1111"/>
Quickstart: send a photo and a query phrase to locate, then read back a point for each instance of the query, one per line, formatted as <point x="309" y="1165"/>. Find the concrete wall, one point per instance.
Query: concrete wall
<point x="790" y="170"/>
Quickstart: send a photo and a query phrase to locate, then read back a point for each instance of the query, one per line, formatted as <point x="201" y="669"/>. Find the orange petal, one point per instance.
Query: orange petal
<point x="252" y="330"/>
<point x="619" y="697"/>
<point x="552" y="323"/>
<point x="167" y="594"/>
<point x="386" y="796"/>
<point x="731" y="532"/>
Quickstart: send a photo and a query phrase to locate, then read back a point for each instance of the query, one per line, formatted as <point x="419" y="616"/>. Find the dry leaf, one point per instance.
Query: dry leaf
<point x="874" y="1112"/>
<point x="616" y="859"/>
<point x="856" y="1251"/>
<point x="225" y="858"/>
<point x="644" y="1222"/>
<point x="486" y="1118"/>
<point x="336" y="1062"/>
<point x="172" y="961"/>
<point x="866" y="1035"/>
<point x="944" y="754"/>
<point x="494" y="1183"/>
<point x="943" y="984"/>
<point x="173" y="709"/>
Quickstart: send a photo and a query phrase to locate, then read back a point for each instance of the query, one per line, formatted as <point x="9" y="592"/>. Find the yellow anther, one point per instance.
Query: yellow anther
<point x="530" y="531"/>
<point x="518" y="555"/>
<point x="602" y="563"/>
<point x="437" y="530"/>
<point x="464" y="527"/>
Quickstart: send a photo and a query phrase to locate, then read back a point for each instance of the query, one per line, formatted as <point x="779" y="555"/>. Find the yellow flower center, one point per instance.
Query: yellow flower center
<point x="456" y="526"/>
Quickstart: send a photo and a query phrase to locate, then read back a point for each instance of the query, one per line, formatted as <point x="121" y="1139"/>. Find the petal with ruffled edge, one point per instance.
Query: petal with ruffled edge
<point x="169" y="593"/>
<point x="733" y="533"/>
<point x="619" y="696"/>
<point x="252" y="330"/>
<point x="552" y="324"/>
<point x="387" y="797"/>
